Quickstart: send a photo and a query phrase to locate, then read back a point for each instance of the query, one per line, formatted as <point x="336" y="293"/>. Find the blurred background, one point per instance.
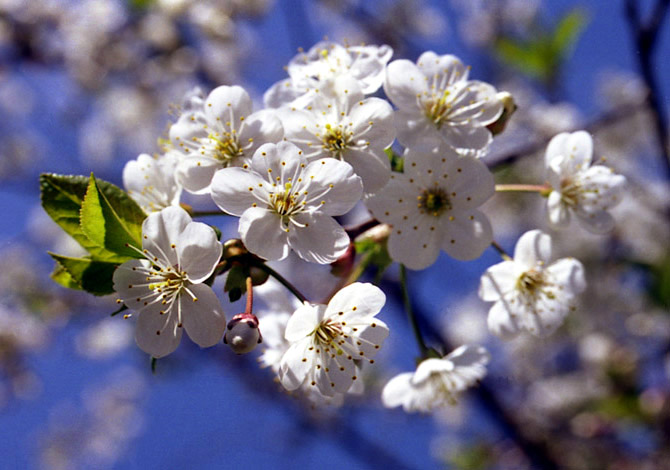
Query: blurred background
<point x="86" y="85"/>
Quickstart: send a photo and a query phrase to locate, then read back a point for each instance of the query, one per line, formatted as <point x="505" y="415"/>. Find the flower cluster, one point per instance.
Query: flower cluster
<point x="291" y="171"/>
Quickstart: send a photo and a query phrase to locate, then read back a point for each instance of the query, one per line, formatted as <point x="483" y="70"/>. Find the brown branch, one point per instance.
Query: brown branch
<point x="645" y="35"/>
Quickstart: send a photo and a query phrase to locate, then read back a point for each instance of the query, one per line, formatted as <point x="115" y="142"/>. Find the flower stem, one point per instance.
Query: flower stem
<point x="410" y="312"/>
<point x="283" y="281"/>
<point x="250" y="296"/>
<point x="501" y="250"/>
<point x="535" y="188"/>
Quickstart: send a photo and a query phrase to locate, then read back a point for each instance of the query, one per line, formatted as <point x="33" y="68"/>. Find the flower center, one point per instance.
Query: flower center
<point x="570" y="192"/>
<point x="172" y="282"/>
<point x="327" y="331"/>
<point x="437" y="109"/>
<point x="226" y="149"/>
<point x="530" y="282"/>
<point x="434" y="201"/>
<point x="334" y="140"/>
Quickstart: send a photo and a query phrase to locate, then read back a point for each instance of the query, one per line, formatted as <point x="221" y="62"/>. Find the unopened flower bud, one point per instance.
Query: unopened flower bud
<point x="233" y="247"/>
<point x="509" y="106"/>
<point x="242" y="333"/>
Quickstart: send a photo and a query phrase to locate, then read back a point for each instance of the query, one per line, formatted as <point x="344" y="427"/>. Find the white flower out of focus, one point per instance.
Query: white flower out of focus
<point x="166" y="289"/>
<point x="437" y="382"/>
<point x="286" y="203"/>
<point x="324" y="62"/>
<point x="223" y="133"/>
<point x="437" y="103"/>
<point x="343" y="124"/>
<point x="530" y="292"/>
<point x="433" y="206"/>
<point x="577" y="186"/>
<point x="329" y="342"/>
<point x="150" y="181"/>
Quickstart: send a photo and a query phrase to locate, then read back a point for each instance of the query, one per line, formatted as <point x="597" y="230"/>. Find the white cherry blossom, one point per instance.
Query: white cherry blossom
<point x="286" y="203"/>
<point x="530" y="291"/>
<point x="326" y="61"/>
<point x="150" y="181"/>
<point x="588" y="191"/>
<point x="222" y="133"/>
<point x="166" y="288"/>
<point x="433" y="206"/>
<point x="437" y="382"/>
<point x="328" y="342"/>
<point x="343" y="124"/>
<point x="437" y="103"/>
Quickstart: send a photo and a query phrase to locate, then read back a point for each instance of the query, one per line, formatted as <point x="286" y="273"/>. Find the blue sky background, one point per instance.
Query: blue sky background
<point x="212" y="409"/>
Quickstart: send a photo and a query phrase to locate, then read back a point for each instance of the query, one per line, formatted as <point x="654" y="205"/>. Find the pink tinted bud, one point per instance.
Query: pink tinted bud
<point x="242" y="333"/>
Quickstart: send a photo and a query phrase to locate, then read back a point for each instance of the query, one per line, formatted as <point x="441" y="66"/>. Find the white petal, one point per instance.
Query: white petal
<point x="500" y="322"/>
<point x="262" y="233"/>
<point x="318" y="239"/>
<point x="414" y="130"/>
<point x="157" y="334"/>
<point x="569" y="274"/>
<point x="576" y="150"/>
<point x="362" y="298"/>
<point x="259" y="128"/>
<point x="372" y="121"/>
<point x="404" y="81"/>
<point x="368" y="65"/>
<point x="195" y="173"/>
<point x="447" y="69"/>
<point x="466" y="138"/>
<point x="235" y="190"/>
<point x="429" y="367"/>
<point x="229" y="103"/>
<point x="415" y="243"/>
<point x="295" y="364"/>
<point x="397" y="390"/>
<point x="130" y="282"/>
<point x="498" y="280"/>
<point x="281" y="93"/>
<point x="599" y="222"/>
<point x="532" y="248"/>
<point x="466" y="234"/>
<point x="476" y="104"/>
<point x="557" y="212"/>
<point x="303" y="322"/>
<point x="372" y="165"/>
<point x="372" y="338"/>
<point x="395" y="200"/>
<point x="161" y="229"/>
<point x="470" y="180"/>
<point x="334" y="186"/>
<point x="203" y="319"/>
<point x="336" y="374"/>
<point x="198" y="251"/>
<point x="282" y="160"/>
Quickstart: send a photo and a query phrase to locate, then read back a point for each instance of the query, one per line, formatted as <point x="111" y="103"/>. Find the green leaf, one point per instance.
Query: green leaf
<point x="62" y="197"/>
<point x="61" y="276"/>
<point x="86" y="274"/>
<point x="111" y="219"/>
<point x="375" y="254"/>
<point x="568" y="31"/>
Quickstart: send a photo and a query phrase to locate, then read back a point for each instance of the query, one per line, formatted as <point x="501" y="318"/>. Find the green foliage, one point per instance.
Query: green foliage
<point x="659" y="289"/>
<point x="111" y="219"/>
<point x="86" y="274"/>
<point x="102" y="218"/>
<point x="472" y="457"/>
<point x="541" y="56"/>
<point x="374" y="254"/>
<point x="397" y="163"/>
<point x="236" y="282"/>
